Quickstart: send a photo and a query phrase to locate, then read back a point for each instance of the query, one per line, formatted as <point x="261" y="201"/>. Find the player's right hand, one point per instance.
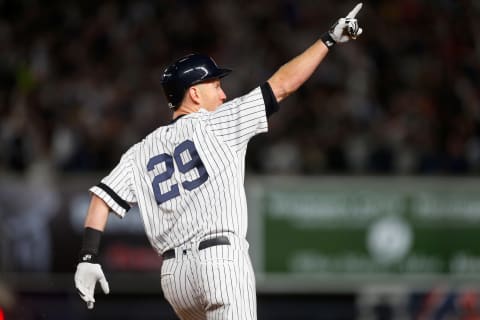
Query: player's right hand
<point x="346" y="28"/>
<point x="86" y="278"/>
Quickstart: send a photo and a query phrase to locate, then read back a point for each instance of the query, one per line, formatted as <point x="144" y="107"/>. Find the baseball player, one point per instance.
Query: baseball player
<point x="187" y="178"/>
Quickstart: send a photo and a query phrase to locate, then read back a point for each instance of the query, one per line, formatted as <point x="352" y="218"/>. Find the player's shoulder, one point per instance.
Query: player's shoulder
<point x="167" y="132"/>
<point x="188" y="119"/>
<point x="252" y="95"/>
<point x="145" y="141"/>
<point x="154" y="135"/>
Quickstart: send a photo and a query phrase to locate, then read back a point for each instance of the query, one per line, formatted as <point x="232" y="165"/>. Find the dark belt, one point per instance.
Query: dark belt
<point x="169" y="254"/>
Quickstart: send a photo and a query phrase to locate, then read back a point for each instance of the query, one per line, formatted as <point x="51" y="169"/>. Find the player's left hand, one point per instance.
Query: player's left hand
<point x="86" y="278"/>
<point x="346" y="28"/>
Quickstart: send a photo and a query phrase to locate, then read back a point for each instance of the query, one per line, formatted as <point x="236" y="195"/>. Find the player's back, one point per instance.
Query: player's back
<point x="187" y="177"/>
<point x="192" y="183"/>
<point x="190" y="180"/>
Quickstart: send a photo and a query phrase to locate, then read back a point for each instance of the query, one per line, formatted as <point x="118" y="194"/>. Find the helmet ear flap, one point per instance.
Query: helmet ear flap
<point x="187" y="71"/>
<point x="171" y="87"/>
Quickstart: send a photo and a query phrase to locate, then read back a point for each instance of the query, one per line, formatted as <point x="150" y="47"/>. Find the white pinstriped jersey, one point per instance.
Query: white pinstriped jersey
<point x="187" y="177"/>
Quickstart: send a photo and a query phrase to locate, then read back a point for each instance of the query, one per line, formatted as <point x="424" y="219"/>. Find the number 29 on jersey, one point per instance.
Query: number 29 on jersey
<point x="186" y="158"/>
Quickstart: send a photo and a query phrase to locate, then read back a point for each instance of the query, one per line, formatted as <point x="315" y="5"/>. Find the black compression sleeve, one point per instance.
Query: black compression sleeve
<point x="90" y="244"/>
<point x="271" y="104"/>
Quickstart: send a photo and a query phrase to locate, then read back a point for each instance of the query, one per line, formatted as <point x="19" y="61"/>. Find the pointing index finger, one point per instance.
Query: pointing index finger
<point x="355" y="10"/>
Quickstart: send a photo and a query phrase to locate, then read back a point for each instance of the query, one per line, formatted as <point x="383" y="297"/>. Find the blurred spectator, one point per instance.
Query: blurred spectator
<point x="26" y="210"/>
<point x="79" y="82"/>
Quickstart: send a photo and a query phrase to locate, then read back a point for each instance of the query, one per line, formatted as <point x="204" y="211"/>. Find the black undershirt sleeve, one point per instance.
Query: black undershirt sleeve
<point x="271" y="104"/>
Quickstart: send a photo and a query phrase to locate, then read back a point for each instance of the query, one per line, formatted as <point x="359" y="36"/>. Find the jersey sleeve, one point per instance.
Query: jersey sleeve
<point x="116" y="188"/>
<point x="237" y="121"/>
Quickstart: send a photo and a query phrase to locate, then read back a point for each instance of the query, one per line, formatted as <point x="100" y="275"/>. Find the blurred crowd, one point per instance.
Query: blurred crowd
<point x="80" y="81"/>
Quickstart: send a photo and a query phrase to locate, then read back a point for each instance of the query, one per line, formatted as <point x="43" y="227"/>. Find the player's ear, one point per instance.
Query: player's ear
<point x="194" y="94"/>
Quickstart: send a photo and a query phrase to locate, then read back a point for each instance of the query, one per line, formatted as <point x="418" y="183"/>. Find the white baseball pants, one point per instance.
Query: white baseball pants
<point x="213" y="283"/>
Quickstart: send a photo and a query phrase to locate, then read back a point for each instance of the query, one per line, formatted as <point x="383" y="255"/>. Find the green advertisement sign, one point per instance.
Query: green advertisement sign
<point x="368" y="227"/>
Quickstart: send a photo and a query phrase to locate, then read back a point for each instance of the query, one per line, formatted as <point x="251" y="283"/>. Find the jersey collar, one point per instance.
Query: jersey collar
<point x="175" y="120"/>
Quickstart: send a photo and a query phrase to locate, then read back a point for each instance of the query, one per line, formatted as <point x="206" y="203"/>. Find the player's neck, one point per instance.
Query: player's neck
<point x="185" y="109"/>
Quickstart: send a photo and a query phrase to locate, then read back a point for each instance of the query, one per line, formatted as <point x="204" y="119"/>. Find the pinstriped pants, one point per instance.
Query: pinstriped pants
<point x="214" y="283"/>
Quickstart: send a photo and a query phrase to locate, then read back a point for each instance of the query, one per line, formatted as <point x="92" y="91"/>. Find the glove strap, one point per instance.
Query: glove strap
<point x="90" y="245"/>
<point x="327" y="40"/>
<point x="87" y="257"/>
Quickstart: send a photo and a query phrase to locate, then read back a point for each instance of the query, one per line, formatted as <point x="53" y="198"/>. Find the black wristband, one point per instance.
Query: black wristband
<point x="90" y="245"/>
<point x="327" y="40"/>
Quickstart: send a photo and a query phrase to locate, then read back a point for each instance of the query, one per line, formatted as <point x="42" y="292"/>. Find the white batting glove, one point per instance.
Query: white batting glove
<point x="86" y="278"/>
<point x="344" y="29"/>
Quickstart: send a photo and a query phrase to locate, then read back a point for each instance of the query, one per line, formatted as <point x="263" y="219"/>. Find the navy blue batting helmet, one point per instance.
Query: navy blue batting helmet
<point x="186" y="72"/>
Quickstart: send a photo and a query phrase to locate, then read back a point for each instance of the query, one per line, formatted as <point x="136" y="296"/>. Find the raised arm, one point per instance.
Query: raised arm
<point x="294" y="73"/>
